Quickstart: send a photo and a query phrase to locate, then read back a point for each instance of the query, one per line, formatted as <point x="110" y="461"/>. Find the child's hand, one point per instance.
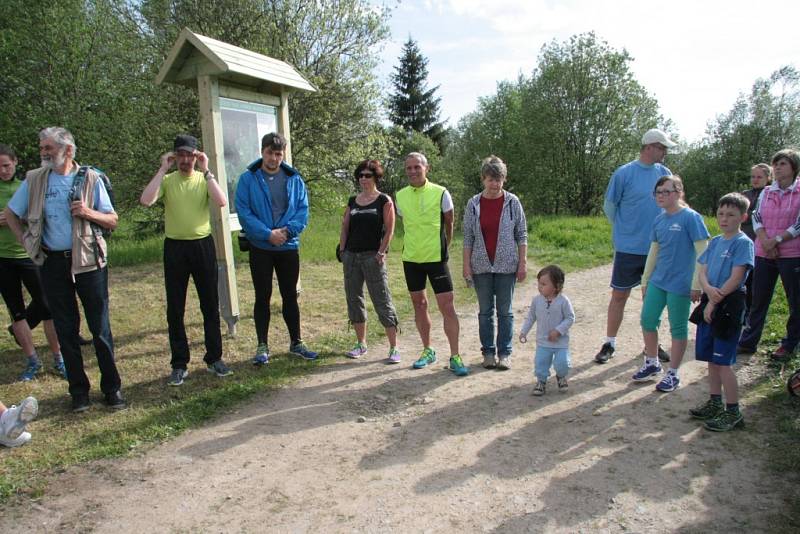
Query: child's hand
<point x="523" y="338"/>
<point x="708" y="312"/>
<point x="553" y="335"/>
<point x="715" y="295"/>
<point x="695" y="294"/>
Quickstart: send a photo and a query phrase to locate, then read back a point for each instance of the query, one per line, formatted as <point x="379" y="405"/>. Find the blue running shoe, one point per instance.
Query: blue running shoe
<point x="647" y="372"/>
<point x="262" y="355"/>
<point x="30" y="372"/>
<point x="59" y="368"/>
<point x="301" y="350"/>
<point x="669" y="383"/>
<point x="427" y="357"/>
<point x="457" y="366"/>
<point x="219" y="368"/>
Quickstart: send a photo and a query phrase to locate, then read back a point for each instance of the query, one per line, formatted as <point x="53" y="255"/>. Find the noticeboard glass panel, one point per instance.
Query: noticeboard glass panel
<point x="243" y="126"/>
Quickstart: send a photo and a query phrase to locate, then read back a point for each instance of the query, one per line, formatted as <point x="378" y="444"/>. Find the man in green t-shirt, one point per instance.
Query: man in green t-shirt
<point x="189" y="250"/>
<point x="16" y="270"/>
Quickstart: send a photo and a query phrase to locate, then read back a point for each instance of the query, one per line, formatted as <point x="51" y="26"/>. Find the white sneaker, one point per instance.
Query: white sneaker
<point x="14" y="419"/>
<point x="22" y="439"/>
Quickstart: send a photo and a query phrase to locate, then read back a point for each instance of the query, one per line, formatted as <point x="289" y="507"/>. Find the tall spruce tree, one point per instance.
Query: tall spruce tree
<point x="412" y="106"/>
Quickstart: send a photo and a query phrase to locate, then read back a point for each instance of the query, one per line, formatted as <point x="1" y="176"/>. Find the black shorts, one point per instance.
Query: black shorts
<point x="628" y="270"/>
<point x="437" y="272"/>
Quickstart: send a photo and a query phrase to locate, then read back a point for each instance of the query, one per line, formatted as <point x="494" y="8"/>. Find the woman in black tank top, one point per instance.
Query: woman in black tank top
<point x="367" y="231"/>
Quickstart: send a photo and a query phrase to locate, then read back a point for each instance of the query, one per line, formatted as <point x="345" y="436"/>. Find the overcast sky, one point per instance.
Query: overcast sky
<point x="694" y="56"/>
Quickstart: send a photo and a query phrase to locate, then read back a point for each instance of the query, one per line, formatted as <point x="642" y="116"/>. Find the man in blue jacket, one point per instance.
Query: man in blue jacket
<point x="272" y="203"/>
<point x="631" y="208"/>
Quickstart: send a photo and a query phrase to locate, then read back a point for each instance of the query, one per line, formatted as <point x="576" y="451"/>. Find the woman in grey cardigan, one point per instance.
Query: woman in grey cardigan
<point x="495" y="249"/>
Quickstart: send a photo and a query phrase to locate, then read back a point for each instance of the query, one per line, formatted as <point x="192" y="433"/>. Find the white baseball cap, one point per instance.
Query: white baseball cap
<point x="657" y="136"/>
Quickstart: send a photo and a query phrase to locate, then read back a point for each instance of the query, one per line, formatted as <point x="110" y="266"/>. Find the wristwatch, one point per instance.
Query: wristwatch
<point x="779" y="238"/>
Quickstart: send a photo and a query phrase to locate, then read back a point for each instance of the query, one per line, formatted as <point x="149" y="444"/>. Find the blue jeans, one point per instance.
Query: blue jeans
<point x="92" y="289"/>
<point x="495" y="289"/>
<point x="548" y="356"/>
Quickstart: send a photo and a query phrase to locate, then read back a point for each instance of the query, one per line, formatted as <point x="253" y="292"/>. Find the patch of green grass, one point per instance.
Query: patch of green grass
<point x="571" y="242"/>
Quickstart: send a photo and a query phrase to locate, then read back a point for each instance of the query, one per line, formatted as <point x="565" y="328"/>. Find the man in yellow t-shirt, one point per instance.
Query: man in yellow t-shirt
<point x="189" y="250"/>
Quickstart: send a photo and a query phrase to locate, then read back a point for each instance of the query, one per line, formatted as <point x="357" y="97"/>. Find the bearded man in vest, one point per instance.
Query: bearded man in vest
<point x="427" y="212"/>
<point x="62" y="232"/>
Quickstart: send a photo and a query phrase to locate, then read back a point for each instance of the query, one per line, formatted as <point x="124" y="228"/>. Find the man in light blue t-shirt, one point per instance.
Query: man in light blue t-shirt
<point x="62" y="232"/>
<point x="631" y="208"/>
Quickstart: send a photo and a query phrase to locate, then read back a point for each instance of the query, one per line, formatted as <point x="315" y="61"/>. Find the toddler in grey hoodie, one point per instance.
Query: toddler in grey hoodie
<point x="553" y="313"/>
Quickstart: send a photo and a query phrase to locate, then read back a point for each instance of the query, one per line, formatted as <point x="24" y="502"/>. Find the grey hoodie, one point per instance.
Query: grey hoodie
<point x="513" y="232"/>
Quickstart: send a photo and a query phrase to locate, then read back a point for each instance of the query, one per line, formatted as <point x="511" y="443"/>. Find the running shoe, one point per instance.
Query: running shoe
<point x="428" y="357"/>
<point x="358" y="350"/>
<point x="457" y="365"/>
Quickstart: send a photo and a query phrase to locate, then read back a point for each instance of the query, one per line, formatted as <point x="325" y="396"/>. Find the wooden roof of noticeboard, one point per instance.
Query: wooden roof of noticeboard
<point x="193" y="55"/>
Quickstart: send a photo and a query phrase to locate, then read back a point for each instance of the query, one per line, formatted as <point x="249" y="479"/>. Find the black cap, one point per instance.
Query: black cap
<point x="185" y="142"/>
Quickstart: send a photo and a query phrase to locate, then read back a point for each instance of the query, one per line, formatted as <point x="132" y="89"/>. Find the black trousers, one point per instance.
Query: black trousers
<point x="92" y="289"/>
<point x="195" y="258"/>
<point x="286" y="265"/>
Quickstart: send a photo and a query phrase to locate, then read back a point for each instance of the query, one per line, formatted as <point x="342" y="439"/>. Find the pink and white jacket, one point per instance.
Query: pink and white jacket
<point x="778" y="210"/>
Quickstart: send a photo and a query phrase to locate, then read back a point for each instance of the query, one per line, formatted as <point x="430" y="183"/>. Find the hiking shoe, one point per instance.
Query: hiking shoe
<point x="219" y="368"/>
<point x="606" y="352"/>
<point x="176" y="377"/>
<point x="663" y="356"/>
<point x="30" y="371"/>
<point x="647" y="372"/>
<point x="711" y="409"/>
<point x="669" y="383"/>
<point x="562" y="383"/>
<point x="262" y="355"/>
<point x="394" y="355"/>
<point x="358" y="350"/>
<point x="457" y="365"/>
<point x="427" y="357"/>
<point x="489" y="361"/>
<point x="725" y="421"/>
<point x="80" y="403"/>
<point x="15" y="418"/>
<point x="538" y="389"/>
<point x="300" y="349"/>
<point x="115" y="400"/>
<point x="781" y="354"/>
<point x="22" y="439"/>
<point x="504" y="363"/>
<point x="60" y="369"/>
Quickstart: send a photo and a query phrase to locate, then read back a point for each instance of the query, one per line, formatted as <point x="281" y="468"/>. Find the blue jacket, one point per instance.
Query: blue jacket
<point x="255" y="214"/>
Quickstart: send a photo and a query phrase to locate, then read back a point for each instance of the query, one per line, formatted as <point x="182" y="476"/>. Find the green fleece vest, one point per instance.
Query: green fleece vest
<point x="424" y="240"/>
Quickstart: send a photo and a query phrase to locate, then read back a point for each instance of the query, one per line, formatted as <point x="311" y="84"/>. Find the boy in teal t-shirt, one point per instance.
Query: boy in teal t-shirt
<point x="722" y="272"/>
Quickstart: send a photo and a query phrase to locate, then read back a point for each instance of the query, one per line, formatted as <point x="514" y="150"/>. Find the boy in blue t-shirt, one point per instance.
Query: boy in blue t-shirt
<point x="723" y="271"/>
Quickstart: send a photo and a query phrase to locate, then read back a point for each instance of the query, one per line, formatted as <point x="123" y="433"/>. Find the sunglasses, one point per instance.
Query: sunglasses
<point x="365" y="175"/>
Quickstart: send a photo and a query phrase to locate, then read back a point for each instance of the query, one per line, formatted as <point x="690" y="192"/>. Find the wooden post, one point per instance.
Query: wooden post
<point x="211" y="126"/>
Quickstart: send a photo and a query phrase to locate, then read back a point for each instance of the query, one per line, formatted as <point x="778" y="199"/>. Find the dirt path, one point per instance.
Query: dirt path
<point x="437" y="453"/>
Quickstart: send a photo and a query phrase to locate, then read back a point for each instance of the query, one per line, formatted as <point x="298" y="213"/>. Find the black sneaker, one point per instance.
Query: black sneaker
<point x="116" y="401"/>
<point x="80" y="403"/>
<point x="663" y="355"/>
<point x="606" y="352"/>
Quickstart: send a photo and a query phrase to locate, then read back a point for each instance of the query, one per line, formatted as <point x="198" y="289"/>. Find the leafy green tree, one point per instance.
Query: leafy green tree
<point x="78" y="64"/>
<point x="758" y="125"/>
<point x="563" y="130"/>
<point x="412" y="106"/>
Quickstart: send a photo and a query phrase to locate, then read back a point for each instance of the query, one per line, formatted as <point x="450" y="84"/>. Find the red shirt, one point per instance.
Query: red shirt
<point x="491" y="208"/>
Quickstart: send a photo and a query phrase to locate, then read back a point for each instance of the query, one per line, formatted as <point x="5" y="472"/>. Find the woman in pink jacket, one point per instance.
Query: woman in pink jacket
<point x="776" y="222"/>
